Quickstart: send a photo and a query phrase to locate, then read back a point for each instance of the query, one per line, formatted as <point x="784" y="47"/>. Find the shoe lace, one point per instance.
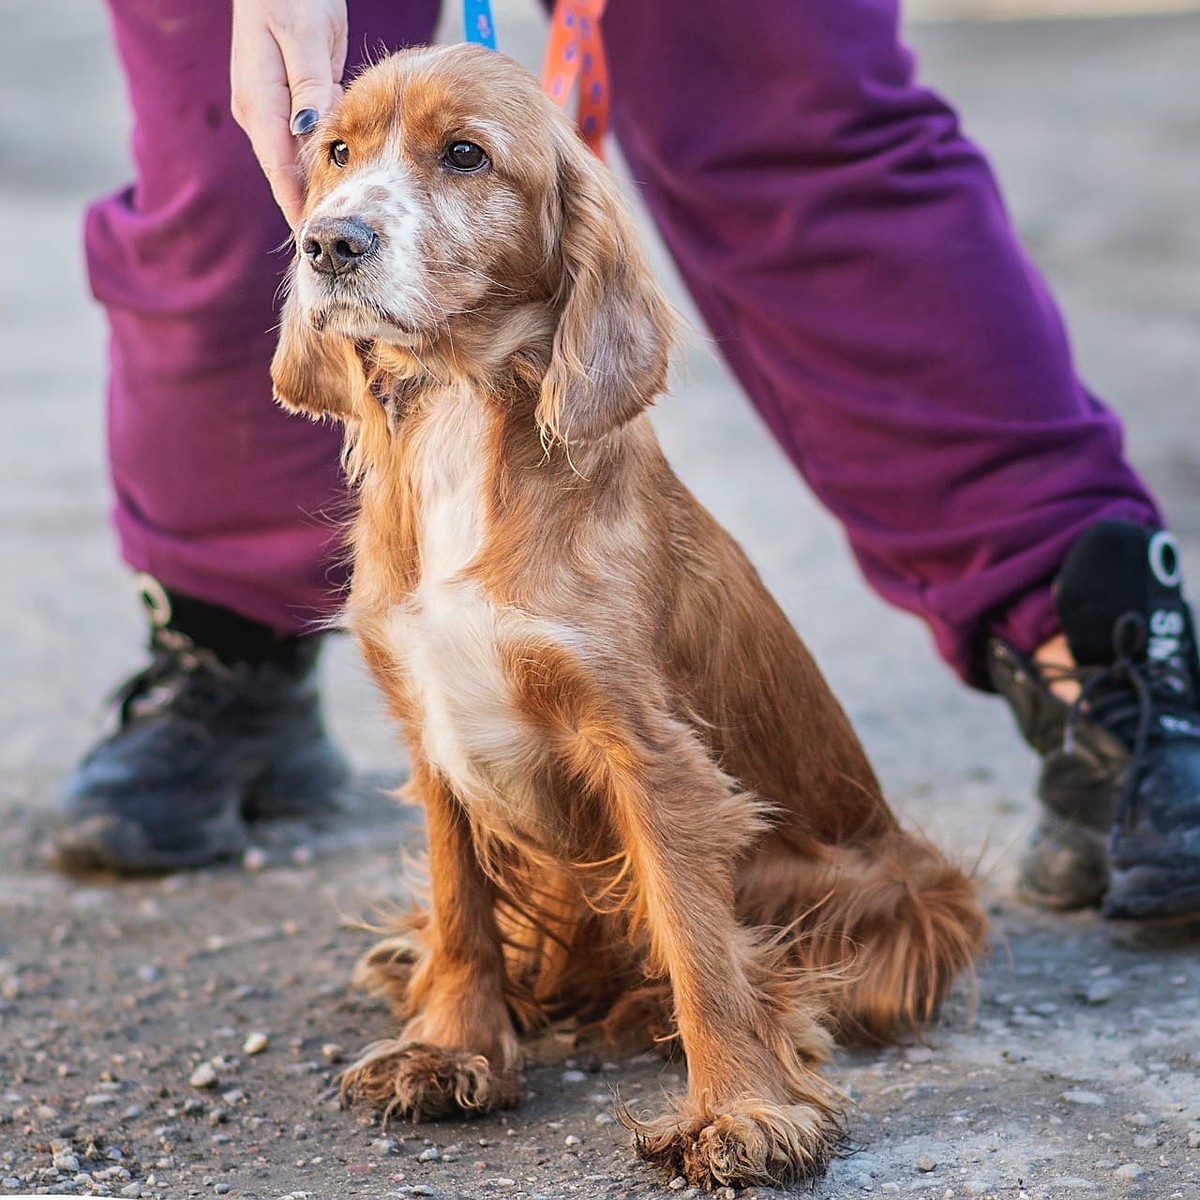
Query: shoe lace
<point x="1126" y="697"/>
<point x="180" y="678"/>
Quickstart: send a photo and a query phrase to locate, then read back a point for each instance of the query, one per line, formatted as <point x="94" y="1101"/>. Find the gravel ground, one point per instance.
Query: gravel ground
<point x="180" y="1037"/>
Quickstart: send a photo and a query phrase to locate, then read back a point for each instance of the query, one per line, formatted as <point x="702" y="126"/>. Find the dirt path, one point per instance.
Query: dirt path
<point x="1075" y="1075"/>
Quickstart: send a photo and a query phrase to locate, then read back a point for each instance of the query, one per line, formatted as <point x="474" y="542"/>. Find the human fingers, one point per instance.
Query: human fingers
<point x="286" y="61"/>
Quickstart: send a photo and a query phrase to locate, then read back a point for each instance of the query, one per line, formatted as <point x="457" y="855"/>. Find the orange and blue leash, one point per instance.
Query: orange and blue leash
<point x="574" y="55"/>
<point x="478" y="25"/>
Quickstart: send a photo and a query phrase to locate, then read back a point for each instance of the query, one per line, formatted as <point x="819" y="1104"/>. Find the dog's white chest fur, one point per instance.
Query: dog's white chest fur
<point x="447" y="635"/>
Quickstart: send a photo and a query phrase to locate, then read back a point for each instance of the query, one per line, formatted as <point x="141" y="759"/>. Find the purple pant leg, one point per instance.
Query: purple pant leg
<point x="218" y="493"/>
<point x="849" y="251"/>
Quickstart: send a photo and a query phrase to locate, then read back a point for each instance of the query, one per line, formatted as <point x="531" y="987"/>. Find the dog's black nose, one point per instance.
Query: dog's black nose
<point x="335" y="245"/>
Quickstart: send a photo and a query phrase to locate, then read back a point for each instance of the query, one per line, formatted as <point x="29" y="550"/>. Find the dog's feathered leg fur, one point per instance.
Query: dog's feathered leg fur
<point x="754" y="1112"/>
<point x="458" y="1051"/>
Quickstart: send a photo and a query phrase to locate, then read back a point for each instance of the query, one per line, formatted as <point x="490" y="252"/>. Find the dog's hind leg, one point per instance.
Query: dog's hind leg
<point x="457" y="1052"/>
<point x="598" y="979"/>
<point x="889" y="914"/>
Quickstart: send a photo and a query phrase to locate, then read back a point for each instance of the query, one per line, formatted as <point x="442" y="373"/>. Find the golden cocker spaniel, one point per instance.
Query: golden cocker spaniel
<point x="644" y="805"/>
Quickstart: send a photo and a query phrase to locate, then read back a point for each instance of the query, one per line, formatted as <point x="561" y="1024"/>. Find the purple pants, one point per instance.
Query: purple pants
<point x="844" y="242"/>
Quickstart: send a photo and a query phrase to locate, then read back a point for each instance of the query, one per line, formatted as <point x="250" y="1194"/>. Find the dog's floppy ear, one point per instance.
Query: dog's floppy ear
<point x="313" y="372"/>
<point x="615" y="328"/>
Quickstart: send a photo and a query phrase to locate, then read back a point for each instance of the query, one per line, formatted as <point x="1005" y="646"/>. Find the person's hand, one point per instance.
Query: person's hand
<point x="287" y="57"/>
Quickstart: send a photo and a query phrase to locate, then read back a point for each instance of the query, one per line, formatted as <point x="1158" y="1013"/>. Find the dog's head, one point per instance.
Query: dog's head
<point x="450" y="204"/>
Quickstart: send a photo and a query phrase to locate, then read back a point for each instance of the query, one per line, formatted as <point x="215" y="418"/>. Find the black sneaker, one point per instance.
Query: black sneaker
<point x="201" y="747"/>
<point x="1120" y="782"/>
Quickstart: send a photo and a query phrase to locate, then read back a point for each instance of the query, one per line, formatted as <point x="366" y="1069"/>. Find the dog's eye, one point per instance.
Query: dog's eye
<point x="339" y="154"/>
<point x="464" y="156"/>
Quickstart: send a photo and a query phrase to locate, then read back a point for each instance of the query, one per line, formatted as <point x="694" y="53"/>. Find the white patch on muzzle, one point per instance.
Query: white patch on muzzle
<point x="391" y="281"/>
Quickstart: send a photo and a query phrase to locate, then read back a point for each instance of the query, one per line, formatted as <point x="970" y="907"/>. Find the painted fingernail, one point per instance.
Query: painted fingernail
<point x="305" y="121"/>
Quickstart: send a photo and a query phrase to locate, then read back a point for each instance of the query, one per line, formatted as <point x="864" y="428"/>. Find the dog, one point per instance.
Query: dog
<point x="645" y="809"/>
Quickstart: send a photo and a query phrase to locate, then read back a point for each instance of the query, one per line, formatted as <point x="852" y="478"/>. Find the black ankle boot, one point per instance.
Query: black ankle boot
<point x="1120" y="780"/>
<point x="205" y="741"/>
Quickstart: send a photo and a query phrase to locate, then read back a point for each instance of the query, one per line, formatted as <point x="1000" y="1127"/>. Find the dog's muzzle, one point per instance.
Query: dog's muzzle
<point x="338" y="245"/>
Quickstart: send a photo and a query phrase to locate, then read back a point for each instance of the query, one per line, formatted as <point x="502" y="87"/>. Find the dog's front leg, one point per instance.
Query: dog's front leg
<point x="457" y="1052"/>
<point x="756" y="1113"/>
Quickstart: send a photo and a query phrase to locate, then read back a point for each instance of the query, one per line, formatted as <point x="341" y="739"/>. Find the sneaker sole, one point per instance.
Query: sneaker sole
<point x="1149" y="894"/>
<point x="102" y="843"/>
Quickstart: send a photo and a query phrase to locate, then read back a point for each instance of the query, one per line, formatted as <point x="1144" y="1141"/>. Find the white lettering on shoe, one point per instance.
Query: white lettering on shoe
<point x="1163" y="555"/>
<point x="1177" y="725"/>
<point x="1166" y="628"/>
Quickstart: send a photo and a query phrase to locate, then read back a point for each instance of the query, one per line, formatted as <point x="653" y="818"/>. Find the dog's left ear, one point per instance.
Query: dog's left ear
<point x="313" y="372"/>
<point x="615" y="329"/>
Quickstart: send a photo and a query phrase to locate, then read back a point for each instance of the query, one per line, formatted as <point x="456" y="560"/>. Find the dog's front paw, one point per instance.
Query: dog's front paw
<point x="420" y="1082"/>
<point x="747" y="1143"/>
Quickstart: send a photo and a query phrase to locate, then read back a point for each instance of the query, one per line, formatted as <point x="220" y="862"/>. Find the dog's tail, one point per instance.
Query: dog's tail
<point x="897" y="920"/>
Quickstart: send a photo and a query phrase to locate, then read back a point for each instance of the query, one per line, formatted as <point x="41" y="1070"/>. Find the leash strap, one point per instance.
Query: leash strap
<point x="478" y="24"/>
<point x="575" y="54"/>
